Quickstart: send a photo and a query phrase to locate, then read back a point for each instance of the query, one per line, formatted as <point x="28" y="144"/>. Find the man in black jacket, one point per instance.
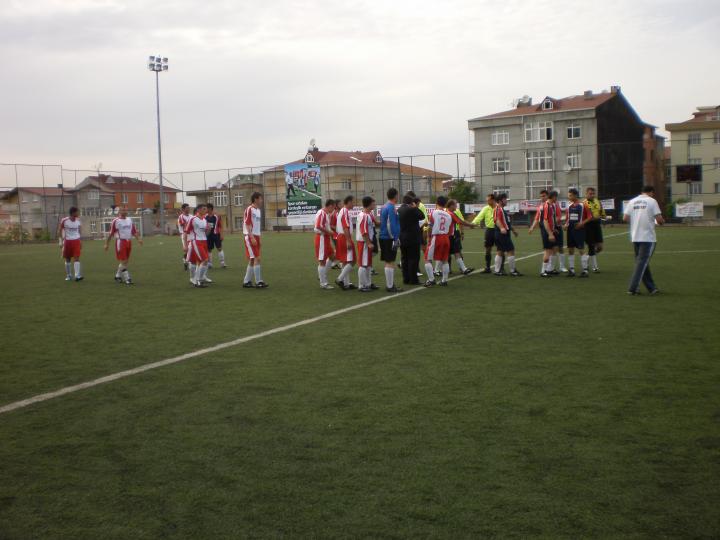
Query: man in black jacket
<point x="410" y="239"/>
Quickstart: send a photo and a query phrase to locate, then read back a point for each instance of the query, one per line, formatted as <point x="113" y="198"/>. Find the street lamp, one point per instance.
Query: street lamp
<point x="157" y="64"/>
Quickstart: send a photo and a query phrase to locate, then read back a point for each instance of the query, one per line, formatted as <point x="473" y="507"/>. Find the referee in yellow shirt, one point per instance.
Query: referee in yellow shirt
<point x="593" y="230"/>
<point x="485" y="219"/>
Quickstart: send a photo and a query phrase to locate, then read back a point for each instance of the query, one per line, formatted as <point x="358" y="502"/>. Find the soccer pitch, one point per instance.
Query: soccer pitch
<point x="509" y="407"/>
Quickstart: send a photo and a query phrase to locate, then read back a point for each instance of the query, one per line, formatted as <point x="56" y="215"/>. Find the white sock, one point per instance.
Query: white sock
<point x="593" y="258"/>
<point x="361" y="277"/>
<point x="221" y="256"/>
<point x="119" y="270"/>
<point x="77" y="269"/>
<point x="429" y="271"/>
<point x="571" y="262"/>
<point x="511" y="262"/>
<point x="389" y="276"/>
<point x="197" y="275"/>
<point x="542" y="266"/>
<point x="498" y="262"/>
<point x="461" y="264"/>
<point x="584" y="262"/>
<point x="191" y="269"/>
<point x="258" y="273"/>
<point x="68" y="269"/>
<point x="553" y="261"/>
<point x="445" y="271"/>
<point x="344" y="276"/>
<point x="248" y="274"/>
<point x="322" y="275"/>
<point x="561" y="257"/>
<point x="437" y="266"/>
<point x="126" y="275"/>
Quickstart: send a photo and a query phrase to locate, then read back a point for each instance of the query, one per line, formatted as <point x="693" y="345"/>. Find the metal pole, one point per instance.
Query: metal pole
<point x="42" y="172"/>
<point x="229" y="204"/>
<point x="160" y="173"/>
<point x="17" y="186"/>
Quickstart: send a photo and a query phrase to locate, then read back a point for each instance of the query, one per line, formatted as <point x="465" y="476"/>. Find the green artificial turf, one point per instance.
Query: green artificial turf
<point x="495" y="407"/>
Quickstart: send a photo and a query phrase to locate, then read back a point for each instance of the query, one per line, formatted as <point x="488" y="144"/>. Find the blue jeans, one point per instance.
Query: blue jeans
<point x="643" y="252"/>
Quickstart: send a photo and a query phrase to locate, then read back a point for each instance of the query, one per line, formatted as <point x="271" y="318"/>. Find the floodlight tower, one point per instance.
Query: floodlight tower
<point x="157" y="64"/>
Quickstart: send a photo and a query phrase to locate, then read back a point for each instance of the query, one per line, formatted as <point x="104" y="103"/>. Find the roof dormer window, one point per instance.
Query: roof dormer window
<point x="378" y="158"/>
<point x="547" y="105"/>
<point x="309" y="158"/>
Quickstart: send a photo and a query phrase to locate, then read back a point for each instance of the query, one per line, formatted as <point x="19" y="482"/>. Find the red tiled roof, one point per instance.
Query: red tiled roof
<point x="571" y="103"/>
<point x="126" y="183"/>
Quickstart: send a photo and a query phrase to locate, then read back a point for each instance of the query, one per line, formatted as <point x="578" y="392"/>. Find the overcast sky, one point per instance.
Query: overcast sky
<point x="251" y="82"/>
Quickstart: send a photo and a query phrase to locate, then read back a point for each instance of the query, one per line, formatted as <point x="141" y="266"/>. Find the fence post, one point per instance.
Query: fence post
<point x="229" y="203"/>
<point x="17" y="186"/>
<point x="42" y="172"/>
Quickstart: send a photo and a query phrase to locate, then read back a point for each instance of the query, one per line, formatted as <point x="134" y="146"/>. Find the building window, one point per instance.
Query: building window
<point x="498" y="190"/>
<point x="573" y="161"/>
<point x="547" y="105"/>
<point x="93" y="226"/>
<point x="500" y="137"/>
<point x="500" y="165"/>
<point x="536" y="186"/>
<point x="716" y="162"/>
<point x="346" y="184"/>
<point x="94" y="195"/>
<point x="574" y="131"/>
<point x="717" y="187"/>
<point x="378" y="159"/>
<point x="694" y="188"/>
<point x="694" y="161"/>
<point x="693" y="138"/>
<point x="35" y="198"/>
<point x="221" y="198"/>
<point x="124" y="198"/>
<point x="140" y="198"/>
<point x="237" y="199"/>
<point x="539" y="160"/>
<point x="166" y="198"/>
<point x="716" y="137"/>
<point x="538" y="131"/>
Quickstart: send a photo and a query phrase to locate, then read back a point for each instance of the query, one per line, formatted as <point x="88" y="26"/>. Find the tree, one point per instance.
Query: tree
<point x="463" y="192"/>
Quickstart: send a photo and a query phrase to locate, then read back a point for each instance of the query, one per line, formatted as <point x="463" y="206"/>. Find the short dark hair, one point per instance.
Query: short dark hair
<point x="647" y="188"/>
<point x="72" y="210"/>
<point x="392" y="193"/>
<point x="573" y="191"/>
<point x="412" y="194"/>
<point x="348" y="199"/>
<point x="184" y="206"/>
<point x="553" y="193"/>
<point x="589" y="188"/>
<point x="442" y="201"/>
<point x="501" y="197"/>
<point x="210" y="206"/>
<point x="451" y="201"/>
<point x="417" y="200"/>
<point x="407" y="199"/>
<point x="329" y="202"/>
<point x="255" y="196"/>
<point x="367" y="200"/>
<point x="545" y="191"/>
<point x="490" y="196"/>
<point x="199" y="206"/>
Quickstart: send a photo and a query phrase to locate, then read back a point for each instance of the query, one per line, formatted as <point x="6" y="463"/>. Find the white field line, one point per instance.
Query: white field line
<point x="200" y="352"/>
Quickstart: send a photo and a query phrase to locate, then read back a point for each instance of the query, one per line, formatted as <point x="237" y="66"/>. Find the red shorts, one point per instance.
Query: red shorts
<point x="123" y="248"/>
<point x="365" y="253"/>
<point x="71" y="249"/>
<point x="345" y="252"/>
<point x="438" y="249"/>
<point x="323" y="247"/>
<point x="197" y="251"/>
<point x="252" y="252"/>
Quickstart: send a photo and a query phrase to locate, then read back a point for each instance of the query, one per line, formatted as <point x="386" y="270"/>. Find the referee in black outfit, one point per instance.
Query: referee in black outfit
<point x="410" y="217"/>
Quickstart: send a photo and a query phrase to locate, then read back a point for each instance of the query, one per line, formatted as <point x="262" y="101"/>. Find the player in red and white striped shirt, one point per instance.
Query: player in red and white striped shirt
<point x="196" y="231"/>
<point x="365" y="235"/>
<point x="345" y="248"/>
<point x="69" y="232"/>
<point x="182" y="222"/>
<point x="323" y="242"/>
<point x="123" y="230"/>
<point x="252" y="225"/>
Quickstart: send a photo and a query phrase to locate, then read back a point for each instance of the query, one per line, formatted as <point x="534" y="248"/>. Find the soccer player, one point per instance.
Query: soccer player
<point x="215" y="235"/>
<point x="69" y="231"/>
<point x="548" y="231"/>
<point x="537" y="222"/>
<point x="578" y="215"/>
<point x="196" y="231"/>
<point x="643" y="213"/>
<point x="182" y="222"/>
<point x="456" y="235"/>
<point x="485" y="219"/>
<point x="438" y="246"/>
<point x="364" y="236"/>
<point x="123" y="229"/>
<point x="345" y="251"/>
<point x="333" y="227"/>
<point x="594" y="233"/>
<point x="503" y="240"/>
<point x="560" y="240"/>
<point x="251" y="232"/>
<point x="323" y="243"/>
<point x="389" y="238"/>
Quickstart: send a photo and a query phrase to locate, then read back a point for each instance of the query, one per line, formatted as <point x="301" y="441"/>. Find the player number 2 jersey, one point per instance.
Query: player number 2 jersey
<point x="365" y="227"/>
<point x="251" y="221"/>
<point x="441" y="222"/>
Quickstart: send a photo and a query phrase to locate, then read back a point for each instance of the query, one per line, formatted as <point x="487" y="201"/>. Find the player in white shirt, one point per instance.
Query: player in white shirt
<point x="252" y="225"/>
<point x="123" y="230"/>
<point x="182" y="222"/>
<point x="438" y="247"/>
<point x="643" y="212"/>
<point x="323" y="243"/>
<point x="196" y="231"/>
<point x="344" y="245"/>
<point x="365" y="234"/>
<point x="69" y="233"/>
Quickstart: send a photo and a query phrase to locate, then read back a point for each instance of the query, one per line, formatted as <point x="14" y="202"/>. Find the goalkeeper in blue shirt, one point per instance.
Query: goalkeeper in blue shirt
<point x="390" y="238"/>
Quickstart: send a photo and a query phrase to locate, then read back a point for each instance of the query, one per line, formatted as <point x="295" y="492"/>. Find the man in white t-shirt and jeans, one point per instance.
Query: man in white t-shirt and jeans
<point x="643" y="212"/>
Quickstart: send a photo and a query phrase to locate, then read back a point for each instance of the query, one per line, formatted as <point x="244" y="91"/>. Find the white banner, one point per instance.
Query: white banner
<point x="474" y="208"/>
<point x="690" y="209"/>
<point x="608" y="204"/>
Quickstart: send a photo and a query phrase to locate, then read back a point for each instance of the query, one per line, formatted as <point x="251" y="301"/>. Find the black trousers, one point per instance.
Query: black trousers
<point x="410" y="258"/>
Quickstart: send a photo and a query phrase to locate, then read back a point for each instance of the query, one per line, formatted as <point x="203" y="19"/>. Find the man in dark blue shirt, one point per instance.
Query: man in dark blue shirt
<point x="389" y="238"/>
